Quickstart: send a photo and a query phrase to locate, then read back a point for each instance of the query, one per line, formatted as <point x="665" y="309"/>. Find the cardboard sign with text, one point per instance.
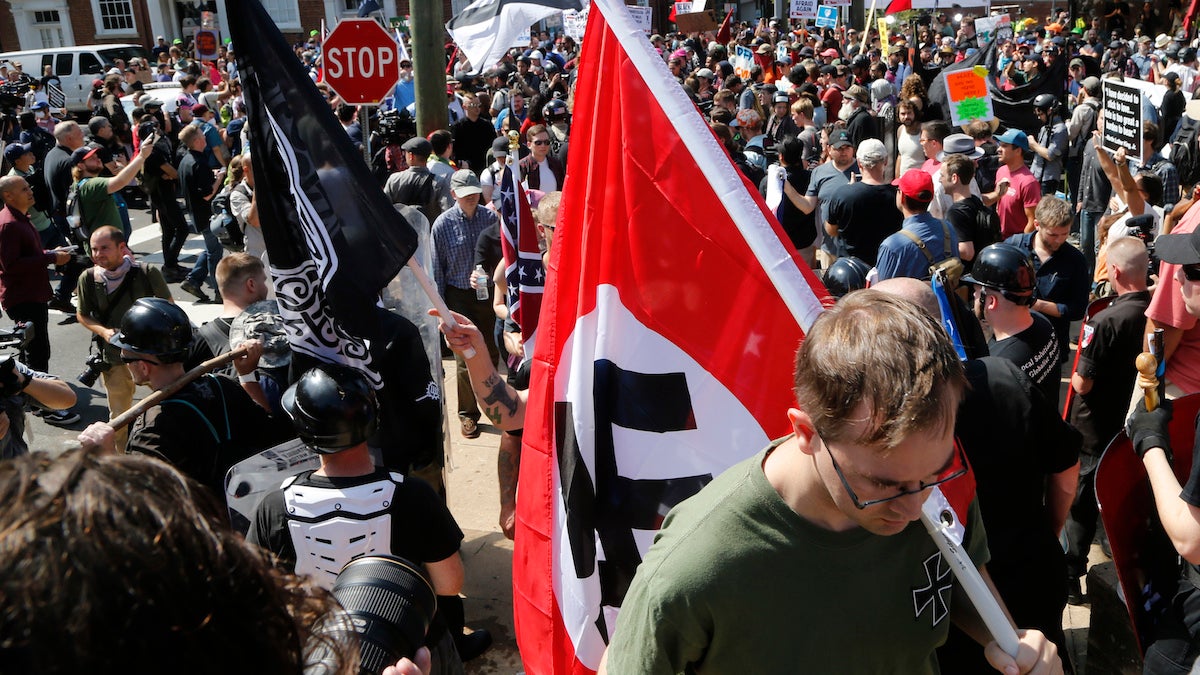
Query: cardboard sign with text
<point x="697" y="22"/>
<point x="1122" y="110"/>
<point x="884" y="36"/>
<point x="969" y="96"/>
<point x="803" y="9"/>
<point x="644" y="18"/>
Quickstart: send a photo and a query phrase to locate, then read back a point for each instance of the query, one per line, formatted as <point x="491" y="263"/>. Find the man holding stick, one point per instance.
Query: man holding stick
<point x="878" y="385"/>
<point x="1176" y="640"/>
<point x="207" y="425"/>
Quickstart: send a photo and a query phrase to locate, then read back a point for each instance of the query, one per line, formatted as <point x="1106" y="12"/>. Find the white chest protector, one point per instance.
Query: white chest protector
<point x="332" y="526"/>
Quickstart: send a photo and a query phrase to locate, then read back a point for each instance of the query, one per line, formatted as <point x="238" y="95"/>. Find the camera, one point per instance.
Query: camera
<point x="394" y="127"/>
<point x="93" y="366"/>
<point x="388" y="605"/>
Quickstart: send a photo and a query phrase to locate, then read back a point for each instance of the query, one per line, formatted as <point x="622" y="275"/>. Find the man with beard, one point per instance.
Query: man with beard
<point x="856" y="112"/>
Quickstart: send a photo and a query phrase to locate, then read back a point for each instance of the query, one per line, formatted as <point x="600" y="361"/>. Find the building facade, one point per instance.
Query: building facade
<point x="37" y="24"/>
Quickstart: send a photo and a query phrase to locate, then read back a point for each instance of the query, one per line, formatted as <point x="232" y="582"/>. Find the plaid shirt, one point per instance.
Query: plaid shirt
<point x="1167" y="173"/>
<point x="454" y="236"/>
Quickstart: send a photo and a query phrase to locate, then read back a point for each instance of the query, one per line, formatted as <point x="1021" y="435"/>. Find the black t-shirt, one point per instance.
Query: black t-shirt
<point x="799" y="226"/>
<point x="196" y="182"/>
<point x="58" y="176"/>
<point x="1035" y="351"/>
<point x="152" y="173"/>
<point x="1110" y="343"/>
<point x="410" y="413"/>
<point x="1014" y="439"/>
<point x="963" y="216"/>
<point x="204" y="429"/>
<point x="865" y="215"/>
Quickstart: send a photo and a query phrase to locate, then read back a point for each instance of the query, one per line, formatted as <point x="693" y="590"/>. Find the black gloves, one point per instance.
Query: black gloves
<point x="1149" y="429"/>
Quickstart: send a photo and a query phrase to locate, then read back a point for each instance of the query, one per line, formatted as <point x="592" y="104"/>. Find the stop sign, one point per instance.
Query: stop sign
<point x="362" y="61"/>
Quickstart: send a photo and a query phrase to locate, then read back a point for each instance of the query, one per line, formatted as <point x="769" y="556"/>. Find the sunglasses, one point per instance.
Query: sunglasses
<point x="1191" y="272"/>
<point x="541" y="143"/>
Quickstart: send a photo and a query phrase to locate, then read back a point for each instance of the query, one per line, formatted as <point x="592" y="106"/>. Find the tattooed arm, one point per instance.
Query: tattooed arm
<point x="503" y="405"/>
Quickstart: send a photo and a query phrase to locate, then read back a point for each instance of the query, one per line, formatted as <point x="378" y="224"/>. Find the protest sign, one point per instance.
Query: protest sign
<point x="968" y="94"/>
<point x="743" y="58"/>
<point x="987" y="28"/>
<point x="884" y="36"/>
<point x="803" y="9"/>
<point x="837" y="3"/>
<point x="575" y="23"/>
<point x="643" y="17"/>
<point x="827" y="16"/>
<point x="1122" y="110"/>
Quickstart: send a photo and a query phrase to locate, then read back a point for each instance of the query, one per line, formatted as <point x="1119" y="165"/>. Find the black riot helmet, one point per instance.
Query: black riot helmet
<point x="332" y="408"/>
<point x="1007" y="269"/>
<point x="555" y="110"/>
<point x="846" y="274"/>
<point x="155" y="327"/>
<point x="1044" y="101"/>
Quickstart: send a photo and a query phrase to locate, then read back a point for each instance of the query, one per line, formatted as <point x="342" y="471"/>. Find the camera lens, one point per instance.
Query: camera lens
<point x="389" y="604"/>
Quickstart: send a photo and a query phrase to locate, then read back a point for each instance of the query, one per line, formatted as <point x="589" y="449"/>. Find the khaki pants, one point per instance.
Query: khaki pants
<point x="119" y="386"/>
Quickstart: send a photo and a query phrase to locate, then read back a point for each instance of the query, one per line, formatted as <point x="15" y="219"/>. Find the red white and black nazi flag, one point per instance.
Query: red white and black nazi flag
<point x="669" y="326"/>
<point x="332" y="238"/>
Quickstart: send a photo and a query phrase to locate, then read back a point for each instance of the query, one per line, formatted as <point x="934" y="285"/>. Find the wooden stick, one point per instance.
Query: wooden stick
<point x="1147" y="367"/>
<point x="438" y="303"/>
<point x="208" y="366"/>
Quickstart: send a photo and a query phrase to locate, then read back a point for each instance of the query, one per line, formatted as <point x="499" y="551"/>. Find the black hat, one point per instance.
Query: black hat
<point x="418" y="146"/>
<point x="156" y="327"/>
<point x="1007" y="269"/>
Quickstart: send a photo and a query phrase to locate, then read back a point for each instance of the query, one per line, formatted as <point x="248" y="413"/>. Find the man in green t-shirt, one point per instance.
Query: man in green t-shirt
<point x="97" y="206"/>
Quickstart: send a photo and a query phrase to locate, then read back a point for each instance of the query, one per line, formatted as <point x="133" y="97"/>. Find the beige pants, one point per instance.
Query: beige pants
<point x="119" y="386"/>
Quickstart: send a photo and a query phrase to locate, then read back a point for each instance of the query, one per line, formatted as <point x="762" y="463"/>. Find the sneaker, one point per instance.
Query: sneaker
<point x="59" y="418"/>
<point x="193" y="289"/>
<point x="61" y="305"/>
<point x="472" y="645"/>
<point x="469" y="428"/>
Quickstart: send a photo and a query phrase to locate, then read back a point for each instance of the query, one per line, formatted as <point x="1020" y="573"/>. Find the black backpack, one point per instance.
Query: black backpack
<point x="1185" y="154"/>
<point x="987" y="224"/>
<point x="225" y="225"/>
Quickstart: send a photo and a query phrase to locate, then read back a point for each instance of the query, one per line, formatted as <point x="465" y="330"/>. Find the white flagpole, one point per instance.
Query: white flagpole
<point x="939" y="520"/>
<point x="438" y="303"/>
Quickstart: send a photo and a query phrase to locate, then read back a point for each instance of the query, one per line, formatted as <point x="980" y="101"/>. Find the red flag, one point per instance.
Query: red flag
<point x="671" y="16"/>
<point x="523" y="269"/>
<point x="898" y="6"/>
<point x="724" y="33"/>
<point x="665" y="347"/>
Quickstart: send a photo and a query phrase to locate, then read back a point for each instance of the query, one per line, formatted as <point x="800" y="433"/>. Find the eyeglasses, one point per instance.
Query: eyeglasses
<point x="1191" y="272"/>
<point x="955" y="470"/>
<point x="541" y="142"/>
<point x="135" y="359"/>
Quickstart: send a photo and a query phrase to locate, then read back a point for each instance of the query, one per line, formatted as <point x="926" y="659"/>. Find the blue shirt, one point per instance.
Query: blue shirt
<point x="1062" y="279"/>
<point x="454" y="237"/>
<point x="900" y="256"/>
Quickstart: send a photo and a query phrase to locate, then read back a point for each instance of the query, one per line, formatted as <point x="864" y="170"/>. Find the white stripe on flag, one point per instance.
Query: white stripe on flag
<point x="716" y="166"/>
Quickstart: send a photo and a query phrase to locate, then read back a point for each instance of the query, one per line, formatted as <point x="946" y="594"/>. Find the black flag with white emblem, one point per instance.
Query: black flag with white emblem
<point x="332" y="238"/>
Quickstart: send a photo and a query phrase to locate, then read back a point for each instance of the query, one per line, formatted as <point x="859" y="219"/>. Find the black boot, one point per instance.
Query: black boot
<point x="469" y="645"/>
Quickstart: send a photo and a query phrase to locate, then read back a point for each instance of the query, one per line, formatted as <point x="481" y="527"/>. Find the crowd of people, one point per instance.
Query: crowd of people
<point x="1018" y="229"/>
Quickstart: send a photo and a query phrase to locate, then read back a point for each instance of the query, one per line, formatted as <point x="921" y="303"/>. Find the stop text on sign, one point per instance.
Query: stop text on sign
<point x="355" y="62"/>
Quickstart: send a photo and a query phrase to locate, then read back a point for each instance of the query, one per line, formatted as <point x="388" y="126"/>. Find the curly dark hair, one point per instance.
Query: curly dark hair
<point x="121" y="564"/>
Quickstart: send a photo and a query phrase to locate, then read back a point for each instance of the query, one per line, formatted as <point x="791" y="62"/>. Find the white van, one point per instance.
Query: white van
<point x="76" y="66"/>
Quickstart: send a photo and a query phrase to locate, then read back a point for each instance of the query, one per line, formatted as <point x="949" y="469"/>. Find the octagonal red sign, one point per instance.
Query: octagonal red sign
<point x="362" y="61"/>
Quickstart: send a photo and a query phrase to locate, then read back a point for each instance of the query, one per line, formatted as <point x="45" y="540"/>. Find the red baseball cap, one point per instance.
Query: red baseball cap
<point x="916" y="184"/>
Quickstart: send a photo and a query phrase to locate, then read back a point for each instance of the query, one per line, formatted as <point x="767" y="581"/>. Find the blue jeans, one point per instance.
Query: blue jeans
<point x="206" y="263"/>
<point x="1088" y="220"/>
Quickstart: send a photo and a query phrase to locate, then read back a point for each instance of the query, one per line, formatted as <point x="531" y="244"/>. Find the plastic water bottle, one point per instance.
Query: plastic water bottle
<point x="481" y="287"/>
